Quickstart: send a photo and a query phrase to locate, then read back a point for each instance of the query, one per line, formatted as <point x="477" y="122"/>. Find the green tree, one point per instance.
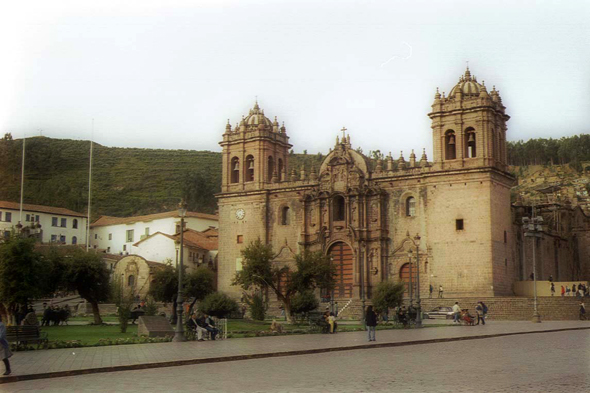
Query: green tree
<point x="86" y="273"/>
<point x="388" y="295"/>
<point x="164" y="287"/>
<point x="312" y="270"/>
<point x="198" y="284"/>
<point x="23" y="274"/>
<point x="218" y="304"/>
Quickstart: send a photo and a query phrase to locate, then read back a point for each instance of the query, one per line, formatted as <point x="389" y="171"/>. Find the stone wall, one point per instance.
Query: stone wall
<point x="515" y="308"/>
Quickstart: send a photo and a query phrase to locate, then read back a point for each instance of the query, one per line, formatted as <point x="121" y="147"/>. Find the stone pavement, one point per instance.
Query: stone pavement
<point x="66" y="362"/>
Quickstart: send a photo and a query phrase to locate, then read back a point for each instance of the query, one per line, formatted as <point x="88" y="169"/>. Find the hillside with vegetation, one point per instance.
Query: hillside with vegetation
<point x="130" y="181"/>
<point x="125" y="181"/>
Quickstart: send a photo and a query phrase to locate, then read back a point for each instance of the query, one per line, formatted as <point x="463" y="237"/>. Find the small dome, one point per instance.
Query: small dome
<point x="256" y="118"/>
<point x="468" y="85"/>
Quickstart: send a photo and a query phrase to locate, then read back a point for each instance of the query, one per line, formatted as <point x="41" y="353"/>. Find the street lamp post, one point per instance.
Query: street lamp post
<point x="419" y="316"/>
<point x="411" y="281"/>
<point x="179" y="332"/>
<point x="533" y="228"/>
<point x="332" y="293"/>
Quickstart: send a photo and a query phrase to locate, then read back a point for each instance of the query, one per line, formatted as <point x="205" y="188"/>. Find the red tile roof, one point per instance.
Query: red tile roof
<point x="40" y="209"/>
<point x="108" y="220"/>
<point x="204" y="240"/>
<point x="199" y="240"/>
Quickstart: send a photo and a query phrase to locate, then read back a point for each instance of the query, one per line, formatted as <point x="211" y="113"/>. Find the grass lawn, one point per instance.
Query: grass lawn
<point x="90" y="319"/>
<point x="88" y="334"/>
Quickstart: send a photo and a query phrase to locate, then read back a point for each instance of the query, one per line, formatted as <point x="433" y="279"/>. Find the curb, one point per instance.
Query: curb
<point x="187" y="362"/>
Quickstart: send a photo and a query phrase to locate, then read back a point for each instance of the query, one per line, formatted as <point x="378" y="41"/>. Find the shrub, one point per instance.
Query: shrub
<point x="388" y="295"/>
<point x="151" y="307"/>
<point x="257" y="308"/>
<point x="304" y="302"/>
<point x="218" y="304"/>
<point x="123" y="299"/>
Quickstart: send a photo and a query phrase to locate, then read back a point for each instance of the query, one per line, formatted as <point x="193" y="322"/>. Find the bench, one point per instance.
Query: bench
<point x="317" y="322"/>
<point x="25" y="334"/>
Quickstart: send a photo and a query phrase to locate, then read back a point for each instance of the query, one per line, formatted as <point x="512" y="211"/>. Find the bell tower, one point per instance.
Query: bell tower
<point x="255" y="153"/>
<point x="469" y="126"/>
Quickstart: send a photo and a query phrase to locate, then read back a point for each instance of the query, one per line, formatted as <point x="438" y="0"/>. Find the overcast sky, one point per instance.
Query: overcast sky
<point x="168" y="74"/>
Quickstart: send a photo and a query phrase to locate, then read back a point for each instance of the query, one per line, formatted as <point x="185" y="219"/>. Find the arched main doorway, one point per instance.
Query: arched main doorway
<point x="343" y="258"/>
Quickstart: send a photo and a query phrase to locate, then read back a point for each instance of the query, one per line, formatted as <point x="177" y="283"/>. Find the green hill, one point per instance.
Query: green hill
<point x="125" y="182"/>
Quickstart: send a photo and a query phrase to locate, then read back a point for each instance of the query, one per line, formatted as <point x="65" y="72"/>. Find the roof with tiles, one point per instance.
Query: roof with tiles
<point x="206" y="240"/>
<point x="40" y="209"/>
<point x="108" y="220"/>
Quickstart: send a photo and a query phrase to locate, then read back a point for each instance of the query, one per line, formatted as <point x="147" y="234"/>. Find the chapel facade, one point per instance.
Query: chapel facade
<point x="454" y="210"/>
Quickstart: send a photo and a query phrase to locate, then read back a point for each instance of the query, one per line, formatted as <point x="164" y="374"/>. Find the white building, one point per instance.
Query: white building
<point x="199" y="247"/>
<point x="115" y="235"/>
<point x="46" y="223"/>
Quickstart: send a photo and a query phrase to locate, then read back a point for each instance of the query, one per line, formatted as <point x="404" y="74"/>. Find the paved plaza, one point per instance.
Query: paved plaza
<point x="547" y="362"/>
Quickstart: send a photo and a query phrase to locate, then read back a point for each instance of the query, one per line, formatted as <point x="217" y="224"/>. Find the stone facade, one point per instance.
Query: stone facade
<point x="368" y="216"/>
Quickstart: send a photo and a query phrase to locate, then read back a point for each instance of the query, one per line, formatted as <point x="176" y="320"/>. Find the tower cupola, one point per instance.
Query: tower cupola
<point x="469" y="126"/>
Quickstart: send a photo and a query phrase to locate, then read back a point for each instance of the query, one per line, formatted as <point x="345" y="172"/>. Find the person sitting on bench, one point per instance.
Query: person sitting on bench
<point x="210" y="326"/>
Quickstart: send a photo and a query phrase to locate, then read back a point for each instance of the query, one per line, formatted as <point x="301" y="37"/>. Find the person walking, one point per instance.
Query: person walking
<point x="440" y="291"/>
<point x="567" y="290"/>
<point x="456" y="313"/>
<point x="582" y="311"/>
<point x="430" y="289"/>
<point x="371" y="322"/>
<point x="562" y="291"/>
<point x="5" y="352"/>
<point x="480" y="313"/>
<point x="552" y="289"/>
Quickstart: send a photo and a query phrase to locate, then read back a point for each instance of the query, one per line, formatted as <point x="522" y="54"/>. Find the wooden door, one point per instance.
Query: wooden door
<point x="404" y="275"/>
<point x="343" y="258"/>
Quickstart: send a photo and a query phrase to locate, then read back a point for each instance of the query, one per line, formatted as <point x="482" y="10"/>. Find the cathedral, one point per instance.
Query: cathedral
<point x="451" y="216"/>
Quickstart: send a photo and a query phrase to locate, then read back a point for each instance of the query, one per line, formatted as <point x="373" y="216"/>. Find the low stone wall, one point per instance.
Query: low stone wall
<point x="526" y="288"/>
<point x="550" y="308"/>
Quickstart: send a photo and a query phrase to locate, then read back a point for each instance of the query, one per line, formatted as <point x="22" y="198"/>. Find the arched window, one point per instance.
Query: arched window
<point x="281" y="169"/>
<point x="470" y="146"/>
<point x="450" y="143"/>
<point x="74" y="240"/>
<point x="338" y="208"/>
<point x="285" y="215"/>
<point x="131" y="280"/>
<point x="235" y="170"/>
<point x="271" y="167"/>
<point x="75" y="223"/>
<point x="249" y="170"/>
<point x="410" y="207"/>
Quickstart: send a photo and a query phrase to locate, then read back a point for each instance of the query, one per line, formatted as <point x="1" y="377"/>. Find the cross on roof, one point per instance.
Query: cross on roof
<point x="343" y="132"/>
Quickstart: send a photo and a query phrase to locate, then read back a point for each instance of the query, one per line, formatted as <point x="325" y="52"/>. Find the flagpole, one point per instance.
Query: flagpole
<point x="22" y="182"/>
<point x="89" y="190"/>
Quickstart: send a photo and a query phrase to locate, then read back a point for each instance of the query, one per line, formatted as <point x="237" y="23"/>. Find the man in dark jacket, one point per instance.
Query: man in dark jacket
<point x="371" y="322"/>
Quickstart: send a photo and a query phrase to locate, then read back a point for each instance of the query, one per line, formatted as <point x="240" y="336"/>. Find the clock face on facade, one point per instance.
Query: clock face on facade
<point x="240" y="214"/>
